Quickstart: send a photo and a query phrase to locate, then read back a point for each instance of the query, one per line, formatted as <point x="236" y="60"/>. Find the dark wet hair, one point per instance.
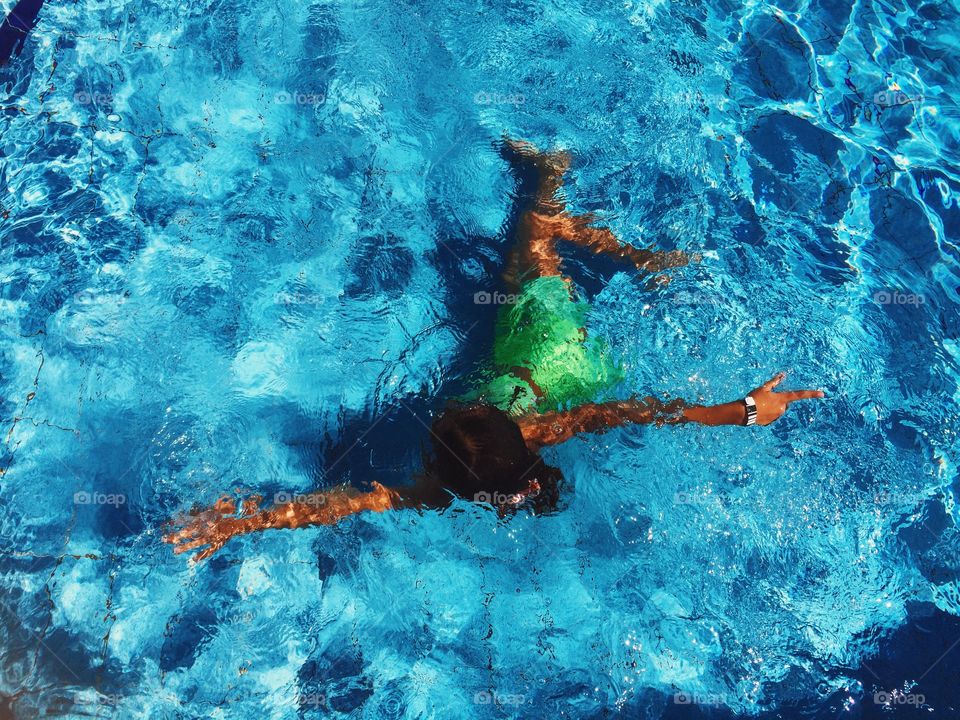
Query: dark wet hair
<point x="479" y="453"/>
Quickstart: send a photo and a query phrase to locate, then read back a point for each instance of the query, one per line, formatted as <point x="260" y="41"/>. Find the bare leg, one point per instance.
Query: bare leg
<point x="535" y="252"/>
<point x="539" y="225"/>
<point x="546" y="221"/>
<point x="550" y="168"/>
<point x="601" y="240"/>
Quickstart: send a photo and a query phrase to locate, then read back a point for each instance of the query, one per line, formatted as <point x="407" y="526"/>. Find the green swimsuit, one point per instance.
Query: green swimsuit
<point x="540" y="347"/>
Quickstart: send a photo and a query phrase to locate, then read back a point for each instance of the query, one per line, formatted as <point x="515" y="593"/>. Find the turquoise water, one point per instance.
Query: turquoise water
<point x="240" y="248"/>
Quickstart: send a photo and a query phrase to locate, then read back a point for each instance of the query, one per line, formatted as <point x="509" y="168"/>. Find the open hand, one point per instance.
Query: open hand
<point x="771" y="405"/>
<point x="213" y="526"/>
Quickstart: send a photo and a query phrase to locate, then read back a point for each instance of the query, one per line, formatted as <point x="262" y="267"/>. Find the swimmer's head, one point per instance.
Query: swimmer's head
<point x="479" y="454"/>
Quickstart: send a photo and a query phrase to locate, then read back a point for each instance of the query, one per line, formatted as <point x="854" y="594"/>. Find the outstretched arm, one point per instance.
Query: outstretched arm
<point x="552" y="428"/>
<point x="214" y="526"/>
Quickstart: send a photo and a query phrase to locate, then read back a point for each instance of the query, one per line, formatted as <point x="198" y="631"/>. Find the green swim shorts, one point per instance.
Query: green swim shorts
<point x="542" y="358"/>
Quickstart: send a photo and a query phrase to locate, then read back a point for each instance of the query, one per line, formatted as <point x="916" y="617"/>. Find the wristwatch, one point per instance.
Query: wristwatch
<point x="751" y="411"/>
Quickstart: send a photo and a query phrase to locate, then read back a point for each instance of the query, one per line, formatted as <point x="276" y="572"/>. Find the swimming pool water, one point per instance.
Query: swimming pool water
<point x="241" y="243"/>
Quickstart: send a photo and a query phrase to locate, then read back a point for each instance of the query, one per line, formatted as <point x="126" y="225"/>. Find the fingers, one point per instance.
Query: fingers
<point x="251" y="506"/>
<point x="657" y="281"/>
<point x="192" y="545"/>
<point x="225" y="505"/>
<point x="191" y="523"/>
<point x="582" y="221"/>
<point x="203" y="555"/>
<point x="676" y="258"/>
<point x="174" y="538"/>
<point x="794" y="395"/>
<point x="773" y="382"/>
<point x="187" y="534"/>
<point x="655" y="261"/>
<point x="184" y="533"/>
<point x="188" y="537"/>
<point x="211" y="527"/>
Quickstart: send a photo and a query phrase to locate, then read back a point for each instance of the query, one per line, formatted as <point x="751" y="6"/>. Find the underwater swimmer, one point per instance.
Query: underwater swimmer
<point x="547" y="377"/>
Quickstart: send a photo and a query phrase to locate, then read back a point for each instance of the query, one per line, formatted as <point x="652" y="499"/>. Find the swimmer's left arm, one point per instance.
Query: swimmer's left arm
<point x="552" y="428"/>
<point x="540" y="430"/>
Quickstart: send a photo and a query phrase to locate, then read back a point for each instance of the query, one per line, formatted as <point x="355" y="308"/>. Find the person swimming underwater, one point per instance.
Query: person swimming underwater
<point x="547" y="377"/>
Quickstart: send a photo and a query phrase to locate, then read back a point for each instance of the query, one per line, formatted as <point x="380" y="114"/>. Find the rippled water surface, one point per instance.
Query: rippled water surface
<point x="237" y="237"/>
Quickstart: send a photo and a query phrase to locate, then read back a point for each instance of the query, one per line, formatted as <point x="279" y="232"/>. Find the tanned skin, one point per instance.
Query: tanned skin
<point x="543" y="224"/>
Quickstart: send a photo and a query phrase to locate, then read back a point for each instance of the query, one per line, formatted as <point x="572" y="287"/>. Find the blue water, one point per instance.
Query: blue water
<point x="240" y="246"/>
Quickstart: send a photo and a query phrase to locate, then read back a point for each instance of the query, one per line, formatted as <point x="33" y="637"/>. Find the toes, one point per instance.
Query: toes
<point x="192" y="545"/>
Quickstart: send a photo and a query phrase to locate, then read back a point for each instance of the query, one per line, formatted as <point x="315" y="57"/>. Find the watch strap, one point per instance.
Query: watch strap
<point x="751" y="405"/>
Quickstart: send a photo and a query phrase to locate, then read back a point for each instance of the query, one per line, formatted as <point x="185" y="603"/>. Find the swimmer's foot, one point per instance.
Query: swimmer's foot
<point x="520" y="152"/>
<point x="549" y="168"/>
<point x="580" y="230"/>
<point x="665" y="260"/>
<point x="660" y="260"/>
